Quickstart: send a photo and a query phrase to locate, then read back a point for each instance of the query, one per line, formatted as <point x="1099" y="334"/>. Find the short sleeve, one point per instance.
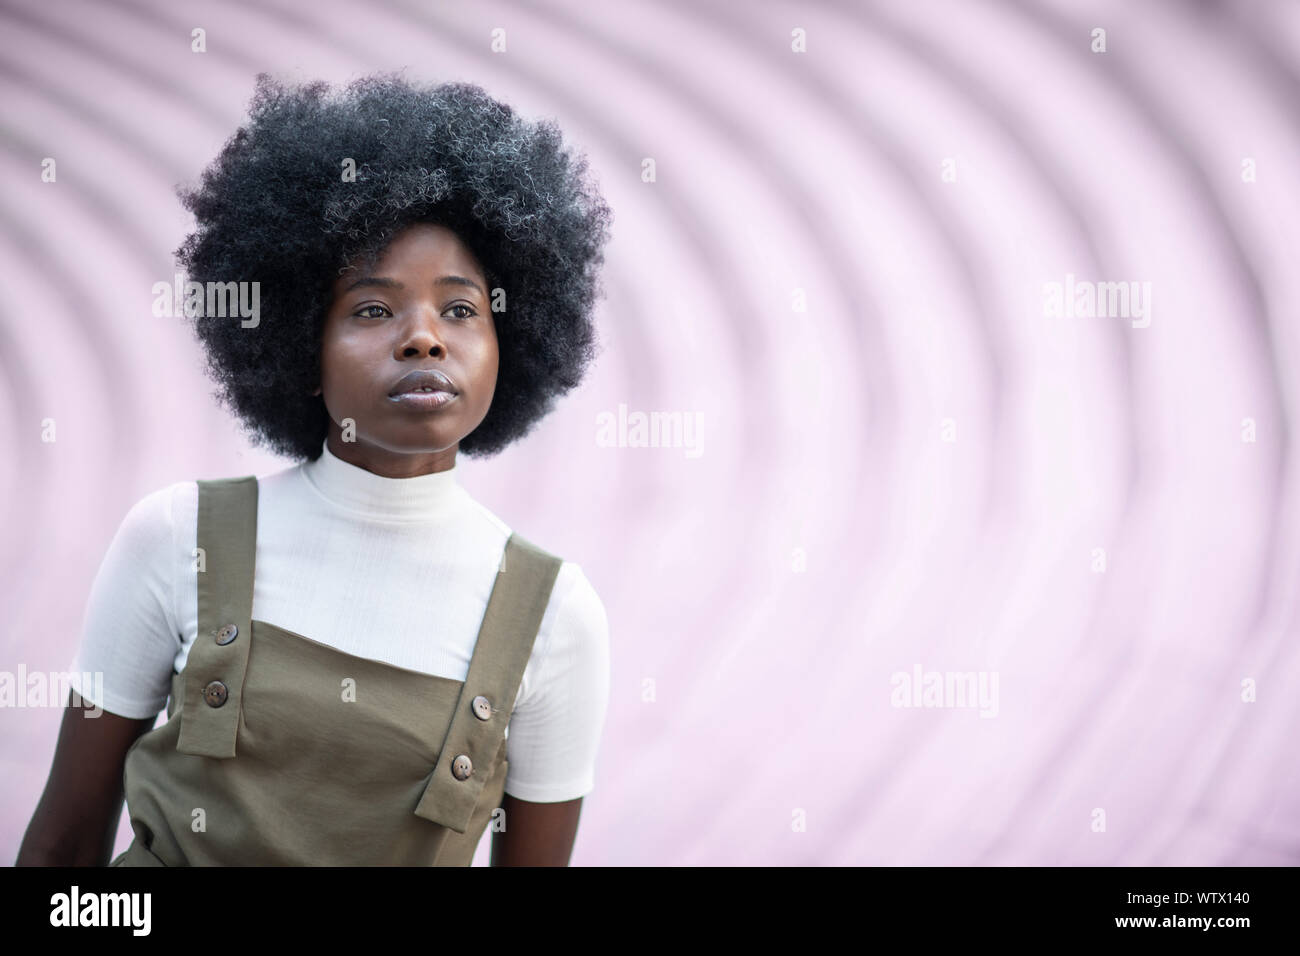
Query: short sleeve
<point x="555" y="732"/>
<point x="129" y="635"/>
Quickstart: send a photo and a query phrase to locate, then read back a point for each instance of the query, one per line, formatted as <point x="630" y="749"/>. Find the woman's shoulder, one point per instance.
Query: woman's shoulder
<point x="573" y="648"/>
<point x="575" y="623"/>
<point x="574" y="605"/>
<point x="158" y="512"/>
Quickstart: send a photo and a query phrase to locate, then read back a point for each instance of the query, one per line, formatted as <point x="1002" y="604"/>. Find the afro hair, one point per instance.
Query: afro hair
<point x="276" y="207"/>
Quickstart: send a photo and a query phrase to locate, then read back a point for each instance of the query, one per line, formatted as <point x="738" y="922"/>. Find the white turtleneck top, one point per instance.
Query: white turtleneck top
<point x="394" y="569"/>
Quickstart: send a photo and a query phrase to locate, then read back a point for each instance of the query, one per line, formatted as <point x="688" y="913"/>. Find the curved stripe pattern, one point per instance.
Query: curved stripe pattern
<point x="958" y="568"/>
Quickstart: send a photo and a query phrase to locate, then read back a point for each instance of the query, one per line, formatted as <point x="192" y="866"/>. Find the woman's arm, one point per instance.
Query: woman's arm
<point x="555" y="731"/>
<point x="536" y="834"/>
<point x="129" y="642"/>
<point x="75" y="823"/>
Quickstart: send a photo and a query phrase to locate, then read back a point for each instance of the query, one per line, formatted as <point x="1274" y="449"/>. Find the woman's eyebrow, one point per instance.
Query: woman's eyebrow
<point x="382" y="282"/>
<point x="461" y="280"/>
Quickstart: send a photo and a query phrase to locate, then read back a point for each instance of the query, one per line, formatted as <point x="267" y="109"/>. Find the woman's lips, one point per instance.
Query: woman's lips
<point x="423" y="398"/>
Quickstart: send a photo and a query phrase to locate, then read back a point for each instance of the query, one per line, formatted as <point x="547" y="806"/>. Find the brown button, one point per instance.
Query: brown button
<point x="215" y="693"/>
<point x="461" y="767"/>
<point x="227" y="634"/>
<point x="482" y="707"/>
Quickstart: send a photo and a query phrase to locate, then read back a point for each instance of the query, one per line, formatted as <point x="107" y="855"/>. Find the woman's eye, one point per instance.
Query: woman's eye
<point x="367" y="308"/>
<point x="468" y="311"/>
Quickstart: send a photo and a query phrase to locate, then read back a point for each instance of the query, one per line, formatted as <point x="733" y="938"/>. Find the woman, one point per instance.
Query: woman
<point x="343" y="644"/>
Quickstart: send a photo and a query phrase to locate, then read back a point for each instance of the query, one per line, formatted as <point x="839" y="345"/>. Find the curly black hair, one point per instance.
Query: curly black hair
<point x="275" y="207"/>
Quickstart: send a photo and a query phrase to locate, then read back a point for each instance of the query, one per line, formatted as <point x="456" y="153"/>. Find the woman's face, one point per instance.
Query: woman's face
<point x="423" y="308"/>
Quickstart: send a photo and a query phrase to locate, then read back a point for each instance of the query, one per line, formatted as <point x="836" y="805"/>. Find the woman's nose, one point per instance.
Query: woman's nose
<point x="421" y="334"/>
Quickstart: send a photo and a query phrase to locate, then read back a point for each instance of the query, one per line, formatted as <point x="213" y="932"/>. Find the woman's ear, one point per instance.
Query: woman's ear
<point x="317" y="391"/>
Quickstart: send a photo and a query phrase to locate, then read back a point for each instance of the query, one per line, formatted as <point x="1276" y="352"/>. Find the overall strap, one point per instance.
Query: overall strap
<point x="505" y="642"/>
<point x="214" y="670"/>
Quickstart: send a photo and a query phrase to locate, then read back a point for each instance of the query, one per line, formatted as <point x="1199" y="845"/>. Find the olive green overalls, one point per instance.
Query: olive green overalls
<point x="280" y="750"/>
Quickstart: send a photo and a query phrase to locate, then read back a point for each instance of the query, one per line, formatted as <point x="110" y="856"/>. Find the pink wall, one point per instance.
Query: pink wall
<point x="906" y="464"/>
